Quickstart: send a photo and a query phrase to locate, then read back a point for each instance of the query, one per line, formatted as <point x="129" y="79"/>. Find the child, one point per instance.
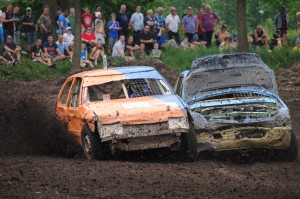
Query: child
<point x="97" y="53"/>
<point x="185" y="43"/>
<point x="155" y="52"/>
<point x="99" y="32"/>
<point x="196" y="41"/>
<point x="142" y="51"/>
<point x="113" y="35"/>
<point x="84" y="57"/>
<point x="297" y="47"/>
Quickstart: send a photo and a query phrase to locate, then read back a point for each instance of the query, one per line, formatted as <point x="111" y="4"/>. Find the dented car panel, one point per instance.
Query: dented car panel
<point x="234" y="103"/>
<point x="132" y="108"/>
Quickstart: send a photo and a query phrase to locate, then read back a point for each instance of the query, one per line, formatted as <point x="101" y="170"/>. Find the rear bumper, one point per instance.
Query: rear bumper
<point x="245" y="138"/>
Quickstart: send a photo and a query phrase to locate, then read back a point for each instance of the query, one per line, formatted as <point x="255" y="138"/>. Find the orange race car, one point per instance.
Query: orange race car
<point x="130" y="108"/>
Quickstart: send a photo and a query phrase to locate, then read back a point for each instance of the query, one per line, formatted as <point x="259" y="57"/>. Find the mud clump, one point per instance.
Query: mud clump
<point x="29" y="127"/>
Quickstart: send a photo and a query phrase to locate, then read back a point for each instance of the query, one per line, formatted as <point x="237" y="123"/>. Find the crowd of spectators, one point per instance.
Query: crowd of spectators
<point x="124" y="36"/>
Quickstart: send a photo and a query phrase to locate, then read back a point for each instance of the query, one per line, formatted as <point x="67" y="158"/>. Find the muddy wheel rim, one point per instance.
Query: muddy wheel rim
<point x="87" y="146"/>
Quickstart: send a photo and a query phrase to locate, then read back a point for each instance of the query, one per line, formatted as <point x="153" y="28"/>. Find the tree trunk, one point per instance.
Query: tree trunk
<point x="52" y="12"/>
<point x="77" y="33"/>
<point x="243" y="45"/>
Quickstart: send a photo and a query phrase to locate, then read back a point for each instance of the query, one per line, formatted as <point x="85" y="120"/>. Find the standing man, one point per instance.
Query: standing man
<point x="71" y="18"/>
<point x="123" y="19"/>
<point x="137" y="23"/>
<point x="30" y="28"/>
<point x="281" y="20"/>
<point x="8" y="22"/>
<point x="189" y="24"/>
<point x="207" y="24"/>
<point x="173" y="24"/>
<point x="62" y="22"/>
<point x="45" y="24"/>
<point x="160" y="19"/>
<point x="17" y="20"/>
<point x="1" y="28"/>
<point x="150" y="21"/>
<point x="87" y="20"/>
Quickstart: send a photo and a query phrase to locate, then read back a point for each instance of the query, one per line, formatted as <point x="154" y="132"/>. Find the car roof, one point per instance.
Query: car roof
<point x="114" y="71"/>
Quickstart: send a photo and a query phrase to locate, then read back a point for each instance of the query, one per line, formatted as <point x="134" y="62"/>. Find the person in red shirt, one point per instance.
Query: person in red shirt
<point x="199" y="15"/>
<point x="87" y="19"/>
<point x="88" y="37"/>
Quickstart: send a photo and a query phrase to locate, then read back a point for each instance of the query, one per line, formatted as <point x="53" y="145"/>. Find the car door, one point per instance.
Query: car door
<point x="62" y="102"/>
<point x="75" y="123"/>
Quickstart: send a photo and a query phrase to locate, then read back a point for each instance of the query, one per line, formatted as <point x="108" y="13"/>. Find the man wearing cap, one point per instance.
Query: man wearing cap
<point x="190" y="24"/>
<point x="69" y="37"/>
<point x="30" y="28"/>
<point x="45" y="21"/>
<point x="281" y="20"/>
<point x="207" y="24"/>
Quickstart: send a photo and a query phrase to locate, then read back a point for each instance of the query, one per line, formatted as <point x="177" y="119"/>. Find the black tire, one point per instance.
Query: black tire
<point x="92" y="146"/>
<point x="291" y="152"/>
<point x="189" y="145"/>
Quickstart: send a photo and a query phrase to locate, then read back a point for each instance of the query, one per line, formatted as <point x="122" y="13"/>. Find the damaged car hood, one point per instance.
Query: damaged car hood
<point x="141" y="110"/>
<point x="225" y="71"/>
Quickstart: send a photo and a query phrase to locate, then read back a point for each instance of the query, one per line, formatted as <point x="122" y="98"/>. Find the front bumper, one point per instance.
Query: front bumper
<point x="245" y="138"/>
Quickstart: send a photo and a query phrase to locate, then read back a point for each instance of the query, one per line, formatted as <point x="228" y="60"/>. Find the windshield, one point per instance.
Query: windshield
<point x="131" y="88"/>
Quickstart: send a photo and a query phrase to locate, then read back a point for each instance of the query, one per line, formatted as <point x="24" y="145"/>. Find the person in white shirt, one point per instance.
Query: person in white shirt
<point x="69" y="37"/>
<point x="137" y="23"/>
<point x="119" y="49"/>
<point x="173" y="25"/>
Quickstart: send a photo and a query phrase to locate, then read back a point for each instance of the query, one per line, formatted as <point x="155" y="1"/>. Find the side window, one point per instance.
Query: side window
<point x="179" y="86"/>
<point x="64" y="95"/>
<point x="75" y="93"/>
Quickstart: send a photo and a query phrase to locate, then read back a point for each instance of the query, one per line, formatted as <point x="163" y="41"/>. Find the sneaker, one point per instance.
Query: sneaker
<point x="13" y="63"/>
<point x="24" y="52"/>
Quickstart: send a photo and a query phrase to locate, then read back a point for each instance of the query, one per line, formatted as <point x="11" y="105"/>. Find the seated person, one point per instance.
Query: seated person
<point x="69" y="37"/>
<point x="5" y="60"/>
<point x="119" y="49"/>
<point x="222" y="34"/>
<point x="155" y="52"/>
<point x="12" y="51"/>
<point x="296" y="39"/>
<point x="257" y="35"/>
<point x="147" y="38"/>
<point x="185" y="44"/>
<point x="196" y="41"/>
<point x="84" y="62"/>
<point x="37" y="54"/>
<point x="283" y="41"/>
<point x="51" y="50"/>
<point x="142" y="52"/>
<point x="227" y="44"/>
<point x="161" y="37"/>
<point x="130" y="47"/>
<point x="88" y="37"/>
<point x="264" y="42"/>
<point x="64" y="48"/>
<point x="297" y="47"/>
<point x="97" y="53"/>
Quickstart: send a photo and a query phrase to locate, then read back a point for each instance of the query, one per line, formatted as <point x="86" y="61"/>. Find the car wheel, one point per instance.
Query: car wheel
<point x="291" y="152"/>
<point x="189" y="145"/>
<point x="92" y="146"/>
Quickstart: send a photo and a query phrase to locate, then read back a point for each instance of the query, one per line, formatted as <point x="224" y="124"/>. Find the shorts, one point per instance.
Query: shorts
<point x="111" y="42"/>
<point x="30" y="38"/>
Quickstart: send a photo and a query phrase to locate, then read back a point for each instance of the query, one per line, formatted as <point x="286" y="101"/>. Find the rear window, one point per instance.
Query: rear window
<point x="127" y="89"/>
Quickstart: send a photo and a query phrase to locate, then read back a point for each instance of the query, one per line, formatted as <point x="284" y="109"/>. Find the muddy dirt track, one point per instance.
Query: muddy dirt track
<point x="39" y="160"/>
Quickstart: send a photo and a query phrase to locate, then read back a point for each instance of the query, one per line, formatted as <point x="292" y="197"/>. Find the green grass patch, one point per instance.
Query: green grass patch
<point x="181" y="59"/>
<point x="30" y="71"/>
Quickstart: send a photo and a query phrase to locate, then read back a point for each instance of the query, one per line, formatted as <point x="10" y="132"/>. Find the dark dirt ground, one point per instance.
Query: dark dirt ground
<point x="39" y="160"/>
